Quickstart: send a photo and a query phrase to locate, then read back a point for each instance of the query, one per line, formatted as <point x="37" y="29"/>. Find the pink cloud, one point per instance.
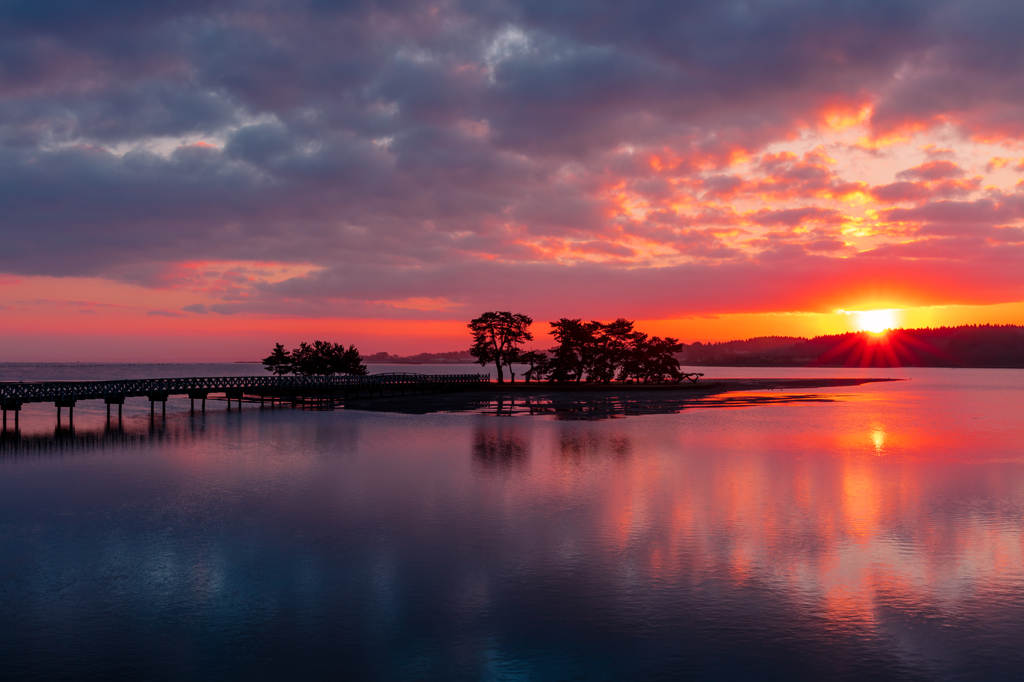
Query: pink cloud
<point x="932" y="170"/>
<point x="584" y="157"/>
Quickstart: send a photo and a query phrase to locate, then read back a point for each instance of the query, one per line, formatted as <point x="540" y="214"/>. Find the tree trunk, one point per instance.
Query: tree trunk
<point x="501" y="377"/>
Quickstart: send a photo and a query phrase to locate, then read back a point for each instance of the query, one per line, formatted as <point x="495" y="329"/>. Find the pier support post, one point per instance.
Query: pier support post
<point x="155" y="398"/>
<point x="68" y="403"/>
<point x="197" y="394"/>
<point x="114" y="399"/>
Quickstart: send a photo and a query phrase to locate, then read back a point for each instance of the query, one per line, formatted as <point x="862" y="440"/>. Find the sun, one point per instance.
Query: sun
<point x="876" y="321"/>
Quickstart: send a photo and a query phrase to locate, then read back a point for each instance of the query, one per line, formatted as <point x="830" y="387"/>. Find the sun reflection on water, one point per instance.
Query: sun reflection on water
<point x="867" y="526"/>
<point x="878" y="438"/>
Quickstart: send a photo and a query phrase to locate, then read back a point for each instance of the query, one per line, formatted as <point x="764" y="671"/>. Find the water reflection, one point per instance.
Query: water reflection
<point x="68" y="439"/>
<point x="495" y="448"/>
<point x="878" y="438"/>
<point x="577" y="446"/>
<point x="875" y="537"/>
<point x="588" y="406"/>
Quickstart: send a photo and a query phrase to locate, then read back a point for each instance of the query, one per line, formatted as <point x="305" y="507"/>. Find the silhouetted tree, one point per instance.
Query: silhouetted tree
<point x="574" y="352"/>
<point x="514" y="356"/>
<point x="593" y="350"/>
<point x="497" y="337"/>
<point x="279" y="361"/>
<point x="322" y="358"/>
<point x="611" y="344"/>
<point x="651" y="359"/>
<point x="307" y="359"/>
<point x="538" y="362"/>
<point x="348" y="361"/>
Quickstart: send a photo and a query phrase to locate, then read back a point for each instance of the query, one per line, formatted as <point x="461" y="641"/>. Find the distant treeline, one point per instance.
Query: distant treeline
<point x="422" y="358"/>
<point x="965" y="346"/>
<point x="602" y="352"/>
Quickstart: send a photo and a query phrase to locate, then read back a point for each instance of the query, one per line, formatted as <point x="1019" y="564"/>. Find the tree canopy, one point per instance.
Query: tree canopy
<point x="320" y="358"/>
<point x="605" y="351"/>
<point x="498" y="338"/>
<point x="279" y="361"/>
<point x="586" y="351"/>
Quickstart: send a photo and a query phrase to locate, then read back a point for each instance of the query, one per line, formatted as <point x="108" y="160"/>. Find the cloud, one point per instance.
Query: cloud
<point x="979" y="212"/>
<point x="910" y="192"/>
<point x="932" y="170"/>
<point x="558" y="149"/>
<point x="796" y="216"/>
<point x="786" y="277"/>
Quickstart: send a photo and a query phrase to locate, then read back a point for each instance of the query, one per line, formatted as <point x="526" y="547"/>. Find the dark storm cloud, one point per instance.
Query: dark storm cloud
<point x="453" y="136"/>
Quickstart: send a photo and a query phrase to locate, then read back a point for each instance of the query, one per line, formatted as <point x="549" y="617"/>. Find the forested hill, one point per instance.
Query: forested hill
<point x="967" y="346"/>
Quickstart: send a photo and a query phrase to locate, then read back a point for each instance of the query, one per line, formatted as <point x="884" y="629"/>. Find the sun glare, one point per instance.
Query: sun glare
<point x="876" y="321"/>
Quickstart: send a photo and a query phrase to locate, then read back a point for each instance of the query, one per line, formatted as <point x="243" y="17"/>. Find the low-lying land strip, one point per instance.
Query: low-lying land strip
<point x="603" y="400"/>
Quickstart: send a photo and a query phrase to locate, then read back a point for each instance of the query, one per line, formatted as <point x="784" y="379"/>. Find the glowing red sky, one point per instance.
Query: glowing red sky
<point x="200" y="180"/>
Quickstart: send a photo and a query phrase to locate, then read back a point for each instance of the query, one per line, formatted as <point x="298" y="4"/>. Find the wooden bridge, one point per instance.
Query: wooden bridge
<point x="318" y="391"/>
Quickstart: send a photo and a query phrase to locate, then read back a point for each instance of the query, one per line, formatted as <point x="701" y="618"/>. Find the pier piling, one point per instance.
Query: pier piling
<point x="316" y="392"/>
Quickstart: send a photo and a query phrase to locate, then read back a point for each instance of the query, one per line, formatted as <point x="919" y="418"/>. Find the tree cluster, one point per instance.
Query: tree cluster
<point x="320" y="358"/>
<point x="590" y="351"/>
<point x="603" y="352"/>
<point x="498" y="337"/>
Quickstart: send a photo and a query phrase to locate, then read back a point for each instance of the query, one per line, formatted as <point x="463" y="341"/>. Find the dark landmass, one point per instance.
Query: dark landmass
<point x="604" y="401"/>
<point x="457" y="356"/>
<point x="966" y="346"/>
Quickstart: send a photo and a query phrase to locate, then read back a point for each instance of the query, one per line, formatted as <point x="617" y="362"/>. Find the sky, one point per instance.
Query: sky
<point x="200" y="180"/>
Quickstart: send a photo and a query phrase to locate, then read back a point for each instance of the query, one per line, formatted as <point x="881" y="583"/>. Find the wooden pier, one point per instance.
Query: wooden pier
<point x="314" y="391"/>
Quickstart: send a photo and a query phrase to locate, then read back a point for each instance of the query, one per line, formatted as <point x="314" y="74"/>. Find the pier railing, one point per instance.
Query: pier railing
<point x="13" y="394"/>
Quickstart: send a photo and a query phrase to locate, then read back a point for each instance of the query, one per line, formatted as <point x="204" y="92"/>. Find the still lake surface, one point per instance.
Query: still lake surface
<point x="876" y="533"/>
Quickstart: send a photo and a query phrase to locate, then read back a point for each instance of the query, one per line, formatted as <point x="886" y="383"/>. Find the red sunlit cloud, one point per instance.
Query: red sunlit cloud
<point x="392" y="164"/>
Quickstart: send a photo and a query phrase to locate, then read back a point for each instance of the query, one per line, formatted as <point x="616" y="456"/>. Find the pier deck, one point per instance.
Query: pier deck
<point x="318" y="390"/>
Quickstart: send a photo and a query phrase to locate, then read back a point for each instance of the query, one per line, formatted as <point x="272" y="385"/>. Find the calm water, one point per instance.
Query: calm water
<point x="874" y="535"/>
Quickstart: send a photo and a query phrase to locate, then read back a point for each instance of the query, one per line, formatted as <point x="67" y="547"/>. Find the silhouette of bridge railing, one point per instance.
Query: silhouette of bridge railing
<point x="293" y="389"/>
